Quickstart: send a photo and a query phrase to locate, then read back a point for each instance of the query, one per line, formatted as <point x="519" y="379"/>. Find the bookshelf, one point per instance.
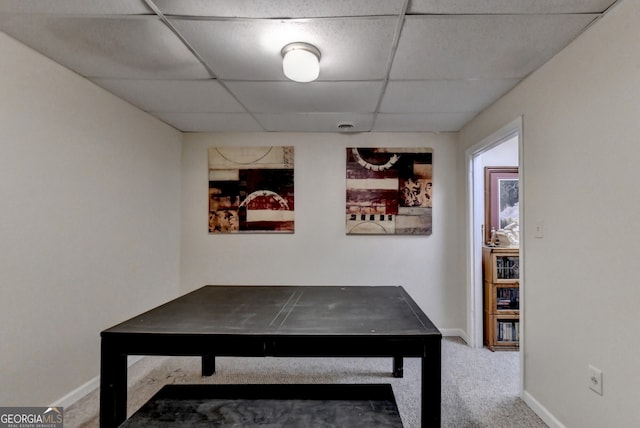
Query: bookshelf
<point x="501" y="270"/>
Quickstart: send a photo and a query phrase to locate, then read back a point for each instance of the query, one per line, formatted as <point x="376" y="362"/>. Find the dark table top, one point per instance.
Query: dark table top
<point x="285" y="310"/>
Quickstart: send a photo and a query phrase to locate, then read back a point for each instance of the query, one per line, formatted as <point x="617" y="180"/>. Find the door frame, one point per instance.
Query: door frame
<point x="474" y="239"/>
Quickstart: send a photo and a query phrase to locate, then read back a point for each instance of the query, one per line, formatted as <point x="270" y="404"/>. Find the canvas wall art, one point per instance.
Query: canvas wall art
<point x="251" y="190"/>
<point x="389" y="191"/>
<point x="501" y="190"/>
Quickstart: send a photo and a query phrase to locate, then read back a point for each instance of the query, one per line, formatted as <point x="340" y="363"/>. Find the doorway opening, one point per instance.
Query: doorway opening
<point x="502" y="148"/>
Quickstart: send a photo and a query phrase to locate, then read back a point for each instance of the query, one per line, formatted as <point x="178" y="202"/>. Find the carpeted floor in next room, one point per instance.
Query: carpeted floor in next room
<point x="480" y="388"/>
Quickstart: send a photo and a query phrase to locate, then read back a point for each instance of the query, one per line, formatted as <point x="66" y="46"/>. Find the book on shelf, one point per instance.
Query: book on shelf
<point x="508" y="331"/>
<point x="508" y="267"/>
<point x="503" y="303"/>
<point x="507" y="298"/>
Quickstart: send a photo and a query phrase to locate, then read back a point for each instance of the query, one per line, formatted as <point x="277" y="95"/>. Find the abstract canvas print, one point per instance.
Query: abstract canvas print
<point x="251" y="190"/>
<point x="389" y="191"/>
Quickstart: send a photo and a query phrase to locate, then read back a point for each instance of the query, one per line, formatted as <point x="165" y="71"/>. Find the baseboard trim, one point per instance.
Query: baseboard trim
<point x="455" y="332"/>
<point x="87" y="388"/>
<point x="542" y="411"/>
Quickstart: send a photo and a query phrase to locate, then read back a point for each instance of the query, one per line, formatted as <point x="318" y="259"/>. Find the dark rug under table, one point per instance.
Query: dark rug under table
<point x="306" y="405"/>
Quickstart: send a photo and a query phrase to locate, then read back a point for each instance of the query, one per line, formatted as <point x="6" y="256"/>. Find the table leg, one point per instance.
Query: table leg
<point x="113" y="386"/>
<point x="208" y="365"/>
<point x="398" y="367"/>
<point x="431" y="386"/>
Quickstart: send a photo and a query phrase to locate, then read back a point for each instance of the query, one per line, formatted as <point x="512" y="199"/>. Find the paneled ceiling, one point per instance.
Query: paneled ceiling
<point x="386" y="65"/>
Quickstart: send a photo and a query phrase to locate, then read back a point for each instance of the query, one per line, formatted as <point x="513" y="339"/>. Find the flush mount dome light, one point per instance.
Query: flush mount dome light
<point x="301" y="62"/>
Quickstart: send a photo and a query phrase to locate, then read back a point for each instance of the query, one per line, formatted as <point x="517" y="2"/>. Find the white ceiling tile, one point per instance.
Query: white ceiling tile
<point x="280" y="8"/>
<point x="75" y="7"/>
<point x="315" y="122"/>
<point x="448" y="67"/>
<point x="486" y="46"/>
<point x="508" y="6"/>
<point x="210" y="122"/>
<point x="445" y="96"/>
<point x="351" y="49"/>
<point x="423" y="122"/>
<point x="269" y="97"/>
<point x="185" y="96"/>
<point x="126" y="47"/>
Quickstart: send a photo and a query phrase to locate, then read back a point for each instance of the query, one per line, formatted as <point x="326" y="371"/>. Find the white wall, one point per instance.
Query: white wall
<point x="504" y="154"/>
<point x="319" y="252"/>
<point x="581" y="124"/>
<point x="89" y="222"/>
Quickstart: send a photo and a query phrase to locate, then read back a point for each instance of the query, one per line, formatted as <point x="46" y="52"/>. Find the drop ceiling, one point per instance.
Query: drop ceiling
<point x="386" y="65"/>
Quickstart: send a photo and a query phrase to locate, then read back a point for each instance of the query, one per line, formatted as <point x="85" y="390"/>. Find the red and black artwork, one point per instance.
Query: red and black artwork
<point x="389" y="191"/>
<point x="251" y="190"/>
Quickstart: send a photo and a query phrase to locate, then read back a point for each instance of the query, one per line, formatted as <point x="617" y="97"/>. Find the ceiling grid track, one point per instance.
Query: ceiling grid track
<point x="392" y="54"/>
<point x="195" y="53"/>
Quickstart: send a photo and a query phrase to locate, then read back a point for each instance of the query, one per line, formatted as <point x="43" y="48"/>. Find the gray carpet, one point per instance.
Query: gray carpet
<point x="479" y="388"/>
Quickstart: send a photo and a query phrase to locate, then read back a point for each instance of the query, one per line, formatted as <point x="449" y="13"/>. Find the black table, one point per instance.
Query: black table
<point x="279" y="321"/>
